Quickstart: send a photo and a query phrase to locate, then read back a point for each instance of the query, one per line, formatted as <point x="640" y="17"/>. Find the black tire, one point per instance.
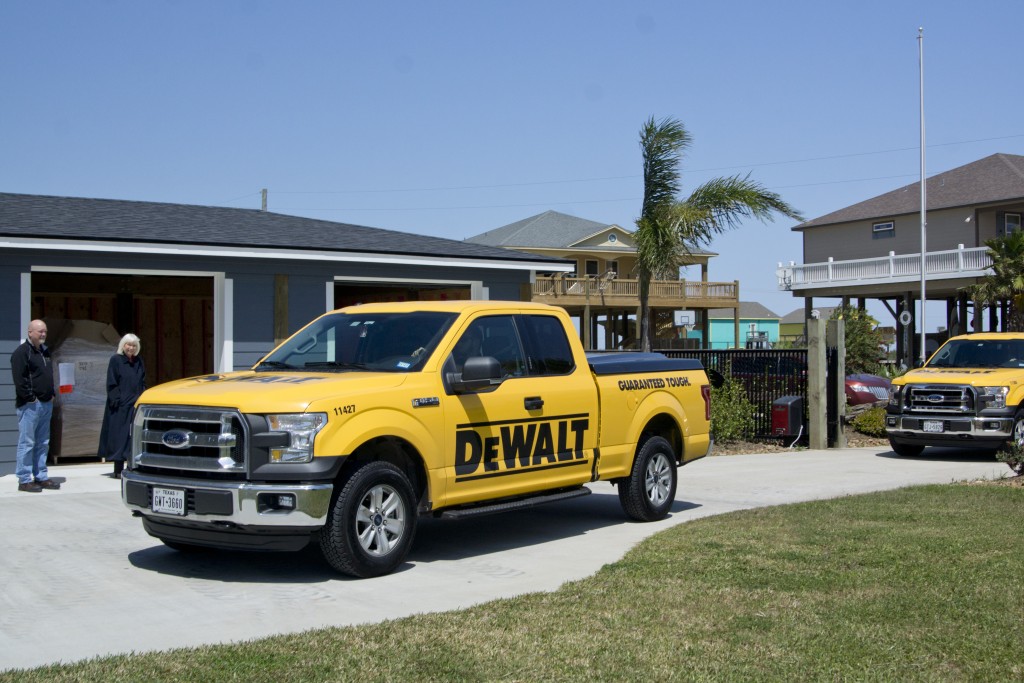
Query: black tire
<point x="647" y="494"/>
<point x="371" y="523"/>
<point x="906" y="450"/>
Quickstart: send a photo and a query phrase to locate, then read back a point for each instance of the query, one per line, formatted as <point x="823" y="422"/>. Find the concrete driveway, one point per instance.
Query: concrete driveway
<point x="82" y="579"/>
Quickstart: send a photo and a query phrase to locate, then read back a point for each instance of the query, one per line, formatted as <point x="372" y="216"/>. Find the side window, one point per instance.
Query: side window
<point x="493" y="336"/>
<point x="548" y="351"/>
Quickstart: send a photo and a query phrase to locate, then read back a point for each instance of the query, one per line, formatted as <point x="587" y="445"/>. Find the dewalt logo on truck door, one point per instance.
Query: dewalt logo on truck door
<point x="495" y="449"/>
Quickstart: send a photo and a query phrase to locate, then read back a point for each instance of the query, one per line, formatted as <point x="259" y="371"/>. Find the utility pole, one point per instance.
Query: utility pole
<point x="924" y="198"/>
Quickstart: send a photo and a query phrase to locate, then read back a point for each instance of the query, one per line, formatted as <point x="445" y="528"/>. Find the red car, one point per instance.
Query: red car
<point x="862" y="389"/>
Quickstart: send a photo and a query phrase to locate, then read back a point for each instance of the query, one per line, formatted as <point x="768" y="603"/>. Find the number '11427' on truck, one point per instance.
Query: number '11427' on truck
<point x="372" y="416"/>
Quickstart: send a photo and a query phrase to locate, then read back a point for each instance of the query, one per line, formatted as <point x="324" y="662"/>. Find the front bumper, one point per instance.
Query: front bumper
<point x="230" y="504"/>
<point x="954" y="429"/>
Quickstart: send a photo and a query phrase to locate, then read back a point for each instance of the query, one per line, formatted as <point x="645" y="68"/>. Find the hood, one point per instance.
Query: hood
<point x="269" y="392"/>
<point x="979" y="377"/>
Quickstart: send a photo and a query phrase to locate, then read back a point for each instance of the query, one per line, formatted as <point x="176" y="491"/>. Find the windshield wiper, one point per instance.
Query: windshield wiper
<point x="336" y="365"/>
<point x="274" y="365"/>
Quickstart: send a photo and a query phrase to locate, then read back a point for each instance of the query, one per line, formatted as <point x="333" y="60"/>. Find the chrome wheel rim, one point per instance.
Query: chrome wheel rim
<point x="380" y="520"/>
<point x="658" y="479"/>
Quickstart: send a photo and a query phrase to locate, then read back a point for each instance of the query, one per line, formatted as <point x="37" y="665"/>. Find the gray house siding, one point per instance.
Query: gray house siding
<point x="947" y="229"/>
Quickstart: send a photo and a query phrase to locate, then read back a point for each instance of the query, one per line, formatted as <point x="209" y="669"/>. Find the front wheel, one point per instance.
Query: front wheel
<point x="1017" y="438"/>
<point x="371" y="523"/>
<point x="906" y="450"/>
<point x="647" y="494"/>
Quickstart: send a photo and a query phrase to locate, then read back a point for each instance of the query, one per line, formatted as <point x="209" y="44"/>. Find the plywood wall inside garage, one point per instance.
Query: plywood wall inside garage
<point x="176" y="331"/>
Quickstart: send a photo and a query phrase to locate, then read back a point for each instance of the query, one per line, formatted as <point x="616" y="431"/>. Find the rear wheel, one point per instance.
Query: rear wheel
<point x="371" y="523"/>
<point x="647" y="494"/>
<point x="906" y="450"/>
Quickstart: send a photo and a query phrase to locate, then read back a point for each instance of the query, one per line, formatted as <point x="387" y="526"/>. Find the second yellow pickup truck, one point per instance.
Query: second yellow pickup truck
<point x="969" y="394"/>
<point x="374" y="415"/>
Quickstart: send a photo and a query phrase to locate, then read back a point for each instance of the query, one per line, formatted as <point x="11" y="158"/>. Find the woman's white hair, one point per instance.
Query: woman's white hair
<point x="129" y="338"/>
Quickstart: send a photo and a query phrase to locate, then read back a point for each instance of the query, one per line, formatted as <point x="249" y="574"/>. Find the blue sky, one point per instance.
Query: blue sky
<point x="452" y="118"/>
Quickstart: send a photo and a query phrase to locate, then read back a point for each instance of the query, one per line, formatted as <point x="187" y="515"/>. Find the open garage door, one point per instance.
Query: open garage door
<point x="88" y="313"/>
<point x="351" y="293"/>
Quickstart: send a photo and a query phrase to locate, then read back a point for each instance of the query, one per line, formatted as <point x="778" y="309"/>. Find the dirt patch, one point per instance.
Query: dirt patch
<point x="853" y="440"/>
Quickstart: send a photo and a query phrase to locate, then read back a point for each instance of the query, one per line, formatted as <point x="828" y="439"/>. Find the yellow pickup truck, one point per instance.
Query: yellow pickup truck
<point x="970" y="393"/>
<point x="374" y="415"/>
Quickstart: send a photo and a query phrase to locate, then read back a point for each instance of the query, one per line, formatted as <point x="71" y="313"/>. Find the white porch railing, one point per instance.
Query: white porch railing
<point x="960" y="262"/>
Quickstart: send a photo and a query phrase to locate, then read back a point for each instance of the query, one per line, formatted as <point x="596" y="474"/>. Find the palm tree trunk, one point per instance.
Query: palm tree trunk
<point x="644" y="322"/>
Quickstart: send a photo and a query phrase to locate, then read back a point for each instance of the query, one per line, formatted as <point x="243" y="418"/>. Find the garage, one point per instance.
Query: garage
<point x="207" y="289"/>
<point x="87" y="313"/>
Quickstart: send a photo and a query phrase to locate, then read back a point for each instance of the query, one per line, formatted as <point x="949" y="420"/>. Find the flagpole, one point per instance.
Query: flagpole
<point x="924" y="197"/>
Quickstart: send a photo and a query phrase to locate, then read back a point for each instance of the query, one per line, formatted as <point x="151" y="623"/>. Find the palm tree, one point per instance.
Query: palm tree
<point x="670" y="229"/>
<point x="1006" y="283"/>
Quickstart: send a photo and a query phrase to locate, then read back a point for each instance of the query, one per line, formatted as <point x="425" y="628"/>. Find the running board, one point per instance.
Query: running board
<point x="520" y="504"/>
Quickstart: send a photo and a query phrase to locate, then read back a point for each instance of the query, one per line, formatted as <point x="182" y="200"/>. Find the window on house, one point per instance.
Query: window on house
<point x="880" y="231"/>
<point x="613" y="266"/>
<point x="591" y="267"/>
<point x="1011" y="223"/>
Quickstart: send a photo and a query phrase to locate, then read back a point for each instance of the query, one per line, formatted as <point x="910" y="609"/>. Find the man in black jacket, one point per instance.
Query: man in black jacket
<point x="33" y="386"/>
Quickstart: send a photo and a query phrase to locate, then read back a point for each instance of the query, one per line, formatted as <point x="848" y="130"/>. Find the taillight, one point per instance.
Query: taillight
<point x="705" y="391"/>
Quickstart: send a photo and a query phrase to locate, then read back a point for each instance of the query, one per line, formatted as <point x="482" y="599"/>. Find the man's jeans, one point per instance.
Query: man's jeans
<point x="33" y="440"/>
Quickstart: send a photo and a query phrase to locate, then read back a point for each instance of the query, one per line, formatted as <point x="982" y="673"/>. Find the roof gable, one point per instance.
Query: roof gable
<point x="748" y="309"/>
<point x="996" y="178"/>
<point x="551" y="230"/>
<point x="797" y="316"/>
<point x="554" y="230"/>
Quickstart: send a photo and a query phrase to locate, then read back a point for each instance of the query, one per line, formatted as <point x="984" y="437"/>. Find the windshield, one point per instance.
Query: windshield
<point x="980" y="353"/>
<point x="381" y="342"/>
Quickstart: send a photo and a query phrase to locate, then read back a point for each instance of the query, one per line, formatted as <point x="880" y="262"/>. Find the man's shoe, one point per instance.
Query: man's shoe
<point x="31" y="487"/>
<point x="48" y="484"/>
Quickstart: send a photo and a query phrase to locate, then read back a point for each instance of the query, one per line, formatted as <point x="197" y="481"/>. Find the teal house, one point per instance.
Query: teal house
<point x="758" y="327"/>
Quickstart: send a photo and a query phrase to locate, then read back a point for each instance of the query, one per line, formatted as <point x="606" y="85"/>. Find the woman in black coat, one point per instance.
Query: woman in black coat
<point x="126" y="380"/>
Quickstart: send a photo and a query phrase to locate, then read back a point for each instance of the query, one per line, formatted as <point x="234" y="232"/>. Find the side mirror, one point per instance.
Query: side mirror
<point x="478" y="372"/>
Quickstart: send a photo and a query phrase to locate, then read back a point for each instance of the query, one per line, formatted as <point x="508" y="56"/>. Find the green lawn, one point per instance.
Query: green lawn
<point x="915" y="584"/>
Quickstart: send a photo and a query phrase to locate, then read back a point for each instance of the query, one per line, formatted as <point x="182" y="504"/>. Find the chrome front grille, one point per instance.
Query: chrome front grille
<point x="185" y="438"/>
<point x="881" y="393"/>
<point x="940" y="398"/>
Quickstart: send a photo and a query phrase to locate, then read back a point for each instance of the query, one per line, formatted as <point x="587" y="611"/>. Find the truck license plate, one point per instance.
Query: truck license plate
<point x="169" y="501"/>
<point x="932" y="426"/>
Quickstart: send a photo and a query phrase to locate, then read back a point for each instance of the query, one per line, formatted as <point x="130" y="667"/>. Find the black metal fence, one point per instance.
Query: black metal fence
<point x="767" y="374"/>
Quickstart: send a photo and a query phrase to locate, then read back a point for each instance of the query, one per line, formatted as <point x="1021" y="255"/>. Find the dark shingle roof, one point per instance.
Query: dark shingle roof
<point x="996" y="178"/>
<point x="45" y="217"/>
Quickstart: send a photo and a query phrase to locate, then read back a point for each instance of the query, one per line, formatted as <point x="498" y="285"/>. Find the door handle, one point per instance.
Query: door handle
<point x="533" y="402"/>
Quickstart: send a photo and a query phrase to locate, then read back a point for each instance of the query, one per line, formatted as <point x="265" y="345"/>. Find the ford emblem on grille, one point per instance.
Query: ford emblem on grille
<point x="934" y="398"/>
<point x="176" y="438"/>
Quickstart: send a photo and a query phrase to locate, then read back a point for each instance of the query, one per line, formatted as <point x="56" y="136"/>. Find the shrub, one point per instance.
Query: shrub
<point x="732" y="413"/>
<point x="1013" y="455"/>
<point x="870" y="423"/>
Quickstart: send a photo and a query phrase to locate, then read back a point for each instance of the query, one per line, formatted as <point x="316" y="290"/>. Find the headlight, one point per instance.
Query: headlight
<point x="303" y="428"/>
<point x="992" y="397"/>
<point x="894" y="395"/>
